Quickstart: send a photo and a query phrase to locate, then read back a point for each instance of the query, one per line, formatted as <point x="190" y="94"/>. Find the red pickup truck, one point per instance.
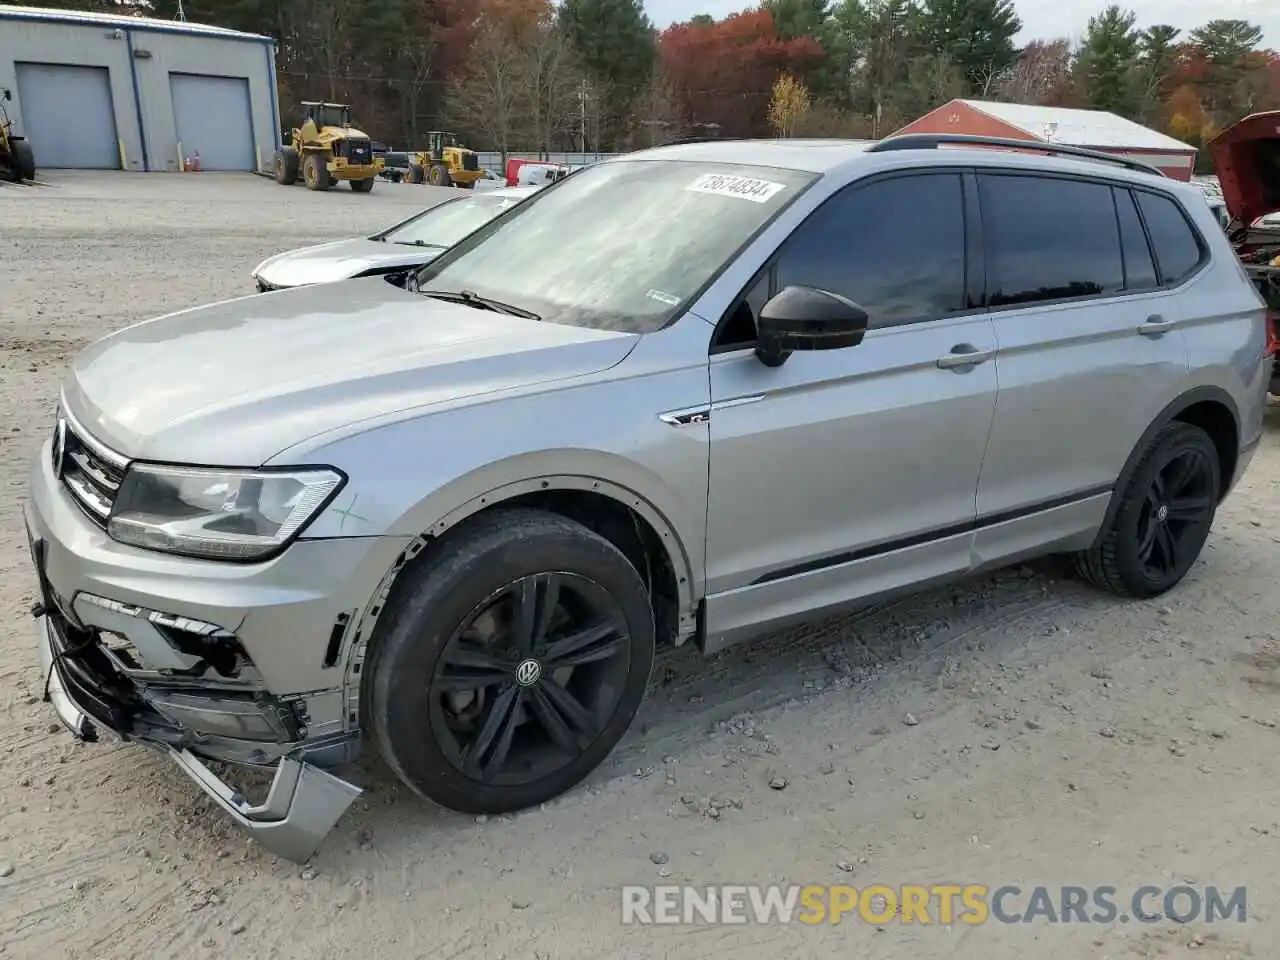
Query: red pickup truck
<point x="1247" y="158"/>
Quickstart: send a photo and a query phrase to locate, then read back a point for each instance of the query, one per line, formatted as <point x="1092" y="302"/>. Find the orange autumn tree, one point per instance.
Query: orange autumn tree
<point x="723" y="72"/>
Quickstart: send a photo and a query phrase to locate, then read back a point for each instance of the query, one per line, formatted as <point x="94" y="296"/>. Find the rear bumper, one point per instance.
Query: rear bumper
<point x="302" y="805"/>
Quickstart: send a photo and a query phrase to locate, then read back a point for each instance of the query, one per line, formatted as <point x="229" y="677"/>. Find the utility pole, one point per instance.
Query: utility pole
<point x="582" y="108"/>
<point x="182" y="14"/>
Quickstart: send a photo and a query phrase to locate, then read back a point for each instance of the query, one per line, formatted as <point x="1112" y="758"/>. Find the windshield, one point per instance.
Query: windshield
<point x="333" y="117"/>
<point x="444" y="225"/>
<point x="617" y="246"/>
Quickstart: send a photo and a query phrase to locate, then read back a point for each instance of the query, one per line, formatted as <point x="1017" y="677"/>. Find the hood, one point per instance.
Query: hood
<point x="234" y="383"/>
<point x="1247" y="159"/>
<point x="338" y="260"/>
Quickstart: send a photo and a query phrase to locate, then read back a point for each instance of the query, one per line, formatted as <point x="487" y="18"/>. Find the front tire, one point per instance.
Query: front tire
<point x="509" y="662"/>
<point x="315" y="174"/>
<point x="438" y="175"/>
<point x="362" y="186"/>
<point x="1163" y="518"/>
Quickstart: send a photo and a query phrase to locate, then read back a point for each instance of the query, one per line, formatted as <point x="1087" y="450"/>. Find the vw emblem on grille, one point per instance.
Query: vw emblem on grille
<point x="59" y="445"/>
<point x="528" y="672"/>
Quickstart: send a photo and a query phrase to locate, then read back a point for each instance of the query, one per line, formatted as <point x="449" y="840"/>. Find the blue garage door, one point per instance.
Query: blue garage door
<point x="68" y="116"/>
<point x="213" y="118"/>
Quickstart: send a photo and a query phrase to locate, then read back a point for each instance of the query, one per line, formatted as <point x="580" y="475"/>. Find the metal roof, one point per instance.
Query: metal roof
<point x="1079" y="128"/>
<point x="123" y="21"/>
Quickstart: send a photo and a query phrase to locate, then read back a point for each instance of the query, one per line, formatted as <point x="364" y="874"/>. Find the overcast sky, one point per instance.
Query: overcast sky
<point x="1046" y="19"/>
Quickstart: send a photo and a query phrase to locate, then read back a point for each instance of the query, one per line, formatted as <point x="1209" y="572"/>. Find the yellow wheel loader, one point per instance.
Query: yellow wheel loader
<point x="445" y="162"/>
<point x="326" y="148"/>
<point x="17" y="161"/>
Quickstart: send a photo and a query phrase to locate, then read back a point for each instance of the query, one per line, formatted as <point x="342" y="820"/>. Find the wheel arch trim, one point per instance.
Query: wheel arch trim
<point x="687" y="581"/>
<point x="677" y="554"/>
<point x="1181" y="403"/>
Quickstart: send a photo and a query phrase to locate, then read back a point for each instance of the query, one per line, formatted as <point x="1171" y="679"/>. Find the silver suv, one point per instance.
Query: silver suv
<point x="692" y="393"/>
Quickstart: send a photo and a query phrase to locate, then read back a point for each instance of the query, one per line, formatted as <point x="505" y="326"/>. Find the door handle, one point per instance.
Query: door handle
<point x="1155" y="325"/>
<point x="963" y="355"/>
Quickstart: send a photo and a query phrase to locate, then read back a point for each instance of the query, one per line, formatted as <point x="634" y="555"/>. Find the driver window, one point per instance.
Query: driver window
<point x="896" y="247"/>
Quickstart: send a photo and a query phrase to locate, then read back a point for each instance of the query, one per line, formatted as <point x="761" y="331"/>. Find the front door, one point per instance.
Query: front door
<point x="846" y="472"/>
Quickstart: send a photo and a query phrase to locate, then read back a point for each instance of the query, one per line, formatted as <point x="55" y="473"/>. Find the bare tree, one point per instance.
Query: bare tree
<point x="490" y="96"/>
<point x="1040" y="74"/>
<point x="418" y="62"/>
<point x="328" y="25"/>
<point x="553" y="85"/>
<point x="656" y="111"/>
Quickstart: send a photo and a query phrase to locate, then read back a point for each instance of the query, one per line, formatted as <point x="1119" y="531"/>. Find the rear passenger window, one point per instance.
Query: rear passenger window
<point x="1139" y="271"/>
<point x="1049" y="239"/>
<point x="1177" y="248"/>
<point x="895" y="247"/>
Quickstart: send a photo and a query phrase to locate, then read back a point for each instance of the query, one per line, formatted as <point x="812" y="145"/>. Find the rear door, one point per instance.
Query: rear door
<point x="1091" y="350"/>
<point x="844" y="473"/>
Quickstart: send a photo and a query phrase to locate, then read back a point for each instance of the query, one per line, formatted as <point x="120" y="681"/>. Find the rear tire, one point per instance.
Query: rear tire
<point x="1162" y="519"/>
<point x="416" y="174"/>
<point x="362" y="186"/>
<point x="445" y="699"/>
<point x="314" y="172"/>
<point x="438" y="175"/>
<point x="286" y="166"/>
<point x="24" y="160"/>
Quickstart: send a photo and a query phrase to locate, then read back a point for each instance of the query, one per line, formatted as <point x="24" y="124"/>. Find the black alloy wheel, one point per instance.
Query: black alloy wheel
<point x="1178" y="509"/>
<point x="508" y="662"/>
<point x="1161" y="517"/>
<point x="530" y="678"/>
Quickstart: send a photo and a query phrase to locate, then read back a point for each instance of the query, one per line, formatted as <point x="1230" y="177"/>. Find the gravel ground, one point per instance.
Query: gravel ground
<point x="1018" y="729"/>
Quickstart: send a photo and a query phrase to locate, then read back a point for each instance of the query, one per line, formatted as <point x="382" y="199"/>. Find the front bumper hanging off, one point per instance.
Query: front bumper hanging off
<point x="303" y="804"/>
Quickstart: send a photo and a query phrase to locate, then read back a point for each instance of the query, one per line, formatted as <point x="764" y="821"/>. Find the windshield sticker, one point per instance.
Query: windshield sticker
<point x="661" y="297"/>
<point x="744" y="188"/>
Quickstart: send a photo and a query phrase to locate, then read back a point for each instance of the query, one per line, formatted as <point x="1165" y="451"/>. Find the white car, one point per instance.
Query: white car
<point x="408" y="244"/>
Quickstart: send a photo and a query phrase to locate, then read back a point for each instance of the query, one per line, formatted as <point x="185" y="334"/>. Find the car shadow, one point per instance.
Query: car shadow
<point x="917" y="638"/>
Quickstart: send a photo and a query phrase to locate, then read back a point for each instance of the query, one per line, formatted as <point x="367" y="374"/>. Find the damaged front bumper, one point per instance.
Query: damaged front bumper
<point x="304" y="801"/>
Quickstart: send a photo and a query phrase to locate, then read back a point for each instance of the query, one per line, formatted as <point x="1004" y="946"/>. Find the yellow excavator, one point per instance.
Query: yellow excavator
<point x="326" y="148"/>
<point x="445" y="162"/>
<point x="17" y="160"/>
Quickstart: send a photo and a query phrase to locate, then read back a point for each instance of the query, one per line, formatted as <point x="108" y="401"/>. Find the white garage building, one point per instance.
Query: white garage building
<point x="101" y="91"/>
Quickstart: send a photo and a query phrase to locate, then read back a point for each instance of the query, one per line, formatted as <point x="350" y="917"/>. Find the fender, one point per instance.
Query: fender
<point x="1168" y="414"/>
<point x="686" y="582"/>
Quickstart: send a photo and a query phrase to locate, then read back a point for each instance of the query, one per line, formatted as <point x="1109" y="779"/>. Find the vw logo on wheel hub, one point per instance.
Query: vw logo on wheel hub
<point x="528" y="672"/>
<point x="1162" y="514"/>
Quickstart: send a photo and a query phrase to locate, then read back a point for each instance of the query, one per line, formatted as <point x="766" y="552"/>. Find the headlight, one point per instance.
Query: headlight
<point x="217" y="514"/>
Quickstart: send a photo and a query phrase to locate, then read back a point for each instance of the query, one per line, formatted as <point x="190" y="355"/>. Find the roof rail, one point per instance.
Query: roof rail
<point x="931" y="141"/>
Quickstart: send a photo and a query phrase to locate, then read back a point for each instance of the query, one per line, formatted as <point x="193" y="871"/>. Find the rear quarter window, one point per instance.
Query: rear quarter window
<point x="1178" y="248"/>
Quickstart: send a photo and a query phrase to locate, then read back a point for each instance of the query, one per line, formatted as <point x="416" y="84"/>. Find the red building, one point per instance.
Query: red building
<point x="1093" y="129"/>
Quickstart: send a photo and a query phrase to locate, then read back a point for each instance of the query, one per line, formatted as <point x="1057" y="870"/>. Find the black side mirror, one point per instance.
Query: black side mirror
<point x="805" y="318"/>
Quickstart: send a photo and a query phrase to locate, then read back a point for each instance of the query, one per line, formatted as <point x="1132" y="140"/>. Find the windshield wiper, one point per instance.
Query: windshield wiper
<point x="419" y="243"/>
<point x="472" y="299"/>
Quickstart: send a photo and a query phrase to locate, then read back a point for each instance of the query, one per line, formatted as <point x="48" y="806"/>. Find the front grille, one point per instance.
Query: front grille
<point x="90" y="472"/>
<point x="470" y="161"/>
<point x="358" y="151"/>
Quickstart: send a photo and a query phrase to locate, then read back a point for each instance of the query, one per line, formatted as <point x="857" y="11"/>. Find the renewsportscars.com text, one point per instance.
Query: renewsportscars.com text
<point x="972" y="904"/>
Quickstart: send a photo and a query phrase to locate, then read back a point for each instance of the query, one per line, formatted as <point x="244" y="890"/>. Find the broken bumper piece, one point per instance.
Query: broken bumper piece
<point x="302" y="805"/>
